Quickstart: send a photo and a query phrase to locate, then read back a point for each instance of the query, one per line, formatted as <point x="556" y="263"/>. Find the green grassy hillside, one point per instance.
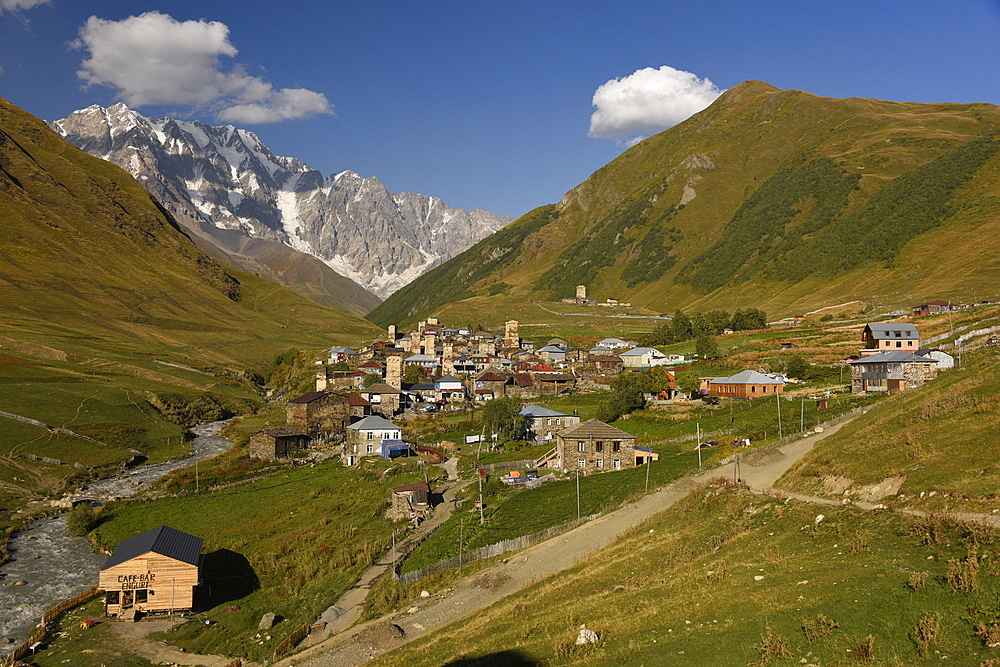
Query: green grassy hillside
<point x="114" y="324"/>
<point x="779" y="198"/>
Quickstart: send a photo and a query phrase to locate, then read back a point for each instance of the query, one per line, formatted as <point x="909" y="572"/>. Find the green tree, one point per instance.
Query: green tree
<point x="655" y="380"/>
<point x="683" y="327"/>
<point x="81" y="520"/>
<point x="707" y="348"/>
<point x="502" y="416"/>
<point x="415" y="373"/>
<point x="796" y="367"/>
<point x="370" y="379"/>
<point x="626" y="397"/>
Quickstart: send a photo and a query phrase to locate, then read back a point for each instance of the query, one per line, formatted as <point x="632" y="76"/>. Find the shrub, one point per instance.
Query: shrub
<point x="773" y="646"/>
<point x="925" y="632"/>
<point x="81" y="520"/>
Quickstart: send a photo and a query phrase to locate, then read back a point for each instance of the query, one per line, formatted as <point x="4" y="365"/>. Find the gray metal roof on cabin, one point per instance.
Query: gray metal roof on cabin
<point x="419" y="357"/>
<point x="550" y="348"/>
<point x="163" y="540"/>
<point x="638" y="352"/>
<point x="593" y="428"/>
<point x="749" y="377"/>
<point x="539" y="411"/>
<point x="372" y="423"/>
<point x="892" y="330"/>
<point x="341" y="350"/>
<point x="447" y="378"/>
<point x="895" y="356"/>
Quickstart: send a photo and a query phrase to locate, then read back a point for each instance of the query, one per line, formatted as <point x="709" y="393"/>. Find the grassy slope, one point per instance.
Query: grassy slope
<point x="289" y="544"/>
<point x="96" y="285"/>
<point x="625" y="211"/>
<point x="682" y="589"/>
<point x="936" y="437"/>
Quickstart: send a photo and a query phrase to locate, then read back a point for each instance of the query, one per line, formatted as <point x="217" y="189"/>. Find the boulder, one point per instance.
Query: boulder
<point x="586" y="637"/>
<point x="266" y="621"/>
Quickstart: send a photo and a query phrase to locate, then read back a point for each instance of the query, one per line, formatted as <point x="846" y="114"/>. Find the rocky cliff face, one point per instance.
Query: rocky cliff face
<point x="227" y="177"/>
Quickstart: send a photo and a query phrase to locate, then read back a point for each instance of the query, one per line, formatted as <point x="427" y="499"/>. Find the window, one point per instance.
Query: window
<point x="548" y="422"/>
<point x="141" y="596"/>
<point x="599" y="463"/>
<point x="899" y="343"/>
<point x="581" y="463"/>
<point x="370" y="434"/>
<point x="371" y="448"/>
<point x="616" y="464"/>
<point x="581" y="446"/>
<point x="753" y="388"/>
<point x="616" y="446"/>
<point x="599" y="446"/>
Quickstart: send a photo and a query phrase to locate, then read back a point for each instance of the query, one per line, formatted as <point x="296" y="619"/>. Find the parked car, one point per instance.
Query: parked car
<point x="428" y="407"/>
<point x="710" y="400"/>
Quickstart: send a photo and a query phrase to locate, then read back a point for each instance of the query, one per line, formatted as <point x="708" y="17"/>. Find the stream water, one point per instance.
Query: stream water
<point x="55" y="565"/>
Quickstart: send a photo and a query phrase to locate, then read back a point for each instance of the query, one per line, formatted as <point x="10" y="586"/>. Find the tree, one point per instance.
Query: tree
<point x="707" y="348"/>
<point x="81" y="520"/>
<point x="414" y="373"/>
<point x="796" y="367"/>
<point x="683" y="327"/>
<point x="370" y="379"/>
<point x="655" y="380"/>
<point x="626" y="397"/>
<point x="503" y="417"/>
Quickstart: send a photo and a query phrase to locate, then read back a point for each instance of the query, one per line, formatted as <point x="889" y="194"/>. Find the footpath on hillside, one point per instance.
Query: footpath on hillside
<point x="471" y="594"/>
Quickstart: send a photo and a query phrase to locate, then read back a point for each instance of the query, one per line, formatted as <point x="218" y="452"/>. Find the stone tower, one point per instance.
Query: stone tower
<point x="511" y="338"/>
<point x="448" y="359"/>
<point x="321" y="380"/>
<point x="394" y="371"/>
<point x="581" y="291"/>
<point x="392" y="333"/>
<point x="430" y="342"/>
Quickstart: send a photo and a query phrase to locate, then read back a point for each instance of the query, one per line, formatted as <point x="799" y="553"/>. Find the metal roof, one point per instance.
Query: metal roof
<point x="539" y="411"/>
<point x="895" y="356"/>
<point x="163" y="540"/>
<point x="892" y="330"/>
<point x="309" y="397"/>
<point x="747" y="377"/>
<point x="372" y="423"/>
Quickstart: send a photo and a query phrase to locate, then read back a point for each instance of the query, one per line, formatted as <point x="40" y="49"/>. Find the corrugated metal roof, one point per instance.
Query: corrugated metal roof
<point x="539" y="411"/>
<point x="309" y="397"/>
<point x="896" y="356"/>
<point x="893" y="330"/>
<point x="162" y="540"/>
<point x="372" y="423"/>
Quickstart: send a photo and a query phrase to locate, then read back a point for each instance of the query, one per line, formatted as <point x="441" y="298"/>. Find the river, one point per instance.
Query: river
<point x="54" y="565"/>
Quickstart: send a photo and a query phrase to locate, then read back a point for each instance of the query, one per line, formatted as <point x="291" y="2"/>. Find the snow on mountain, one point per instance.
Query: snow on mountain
<point x="227" y="177"/>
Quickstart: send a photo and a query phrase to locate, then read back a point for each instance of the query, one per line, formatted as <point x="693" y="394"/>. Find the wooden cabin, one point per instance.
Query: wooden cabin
<point x="156" y="571"/>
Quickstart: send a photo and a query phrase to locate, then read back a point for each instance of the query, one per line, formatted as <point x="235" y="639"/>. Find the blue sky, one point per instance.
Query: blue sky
<point x="486" y="105"/>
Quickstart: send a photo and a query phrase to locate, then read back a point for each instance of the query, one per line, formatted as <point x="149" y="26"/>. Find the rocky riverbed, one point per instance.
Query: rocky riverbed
<point x="53" y="565"/>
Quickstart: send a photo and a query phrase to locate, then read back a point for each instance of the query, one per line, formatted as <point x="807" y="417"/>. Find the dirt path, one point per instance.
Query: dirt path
<point x="476" y="592"/>
<point x="133" y="637"/>
<point x="347" y="610"/>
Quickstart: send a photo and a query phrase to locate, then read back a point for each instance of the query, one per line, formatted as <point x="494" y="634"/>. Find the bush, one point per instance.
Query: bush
<point x="81" y="520"/>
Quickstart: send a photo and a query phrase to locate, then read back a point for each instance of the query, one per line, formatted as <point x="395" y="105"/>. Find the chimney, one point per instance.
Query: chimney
<point x="394" y="371"/>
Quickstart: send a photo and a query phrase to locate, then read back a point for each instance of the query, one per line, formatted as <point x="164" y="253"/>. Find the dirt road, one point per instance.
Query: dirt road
<point x="478" y="591"/>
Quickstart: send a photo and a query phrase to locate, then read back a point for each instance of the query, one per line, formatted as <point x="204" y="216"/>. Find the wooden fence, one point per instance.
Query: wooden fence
<point x="488" y="551"/>
<point x="507" y="465"/>
<point x="291" y="641"/>
<point x="42" y="632"/>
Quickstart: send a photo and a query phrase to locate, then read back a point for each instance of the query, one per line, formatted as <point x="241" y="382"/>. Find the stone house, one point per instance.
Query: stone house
<point x="594" y="446"/>
<point x="541" y="424"/>
<point x="410" y="501"/>
<point x="277" y="443"/>
<point x="365" y="437"/>
<point x="642" y="357"/>
<point x="891" y="371"/>
<point x="320" y="414"/>
<point x="385" y="399"/>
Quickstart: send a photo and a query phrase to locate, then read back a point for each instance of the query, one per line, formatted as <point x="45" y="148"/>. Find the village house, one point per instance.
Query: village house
<point x="936" y="307"/>
<point x="448" y="388"/>
<point x="320" y="414"/>
<point x="891" y="371"/>
<point x="605" y="364"/>
<point x="540" y="424"/>
<point x="155" y="571"/>
<point x="366" y="438"/>
<point x="744" y="385"/>
<point x="642" y="357"/>
<point x="277" y="443"/>
<point x="594" y="446"/>
<point x="385" y="399"/>
<point x="412" y="501"/>
<point x="427" y="362"/>
<point x="615" y="344"/>
<point x="889" y="336"/>
<point x="551" y="353"/>
<point x="341" y="355"/>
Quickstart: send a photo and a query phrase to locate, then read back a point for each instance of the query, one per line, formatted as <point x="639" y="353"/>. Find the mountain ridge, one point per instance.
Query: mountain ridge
<point x="635" y="228"/>
<point x="227" y="177"/>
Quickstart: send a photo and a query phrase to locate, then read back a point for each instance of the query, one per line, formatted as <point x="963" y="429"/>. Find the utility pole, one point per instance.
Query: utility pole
<point x="802" y="416"/>
<point x="197" y="482"/>
<point x="649" y="464"/>
<point x="393" y="547"/>
<point x="461" y="542"/>
<point x="777" y="398"/>
<point x="698" y="427"/>
<point x="578" y="495"/>
<point x="730" y="409"/>
<point x="481" y="519"/>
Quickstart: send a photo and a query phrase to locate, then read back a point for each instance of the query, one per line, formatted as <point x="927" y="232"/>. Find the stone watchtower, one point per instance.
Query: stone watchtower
<point x="430" y="341"/>
<point x="512" y="337"/>
<point x="448" y="359"/>
<point x="581" y="291"/>
<point x="394" y="371"/>
<point x="391" y="337"/>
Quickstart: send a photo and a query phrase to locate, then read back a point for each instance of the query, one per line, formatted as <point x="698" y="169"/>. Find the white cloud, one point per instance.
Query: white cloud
<point x="648" y="101"/>
<point x="155" y="59"/>
<point x="15" y="6"/>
